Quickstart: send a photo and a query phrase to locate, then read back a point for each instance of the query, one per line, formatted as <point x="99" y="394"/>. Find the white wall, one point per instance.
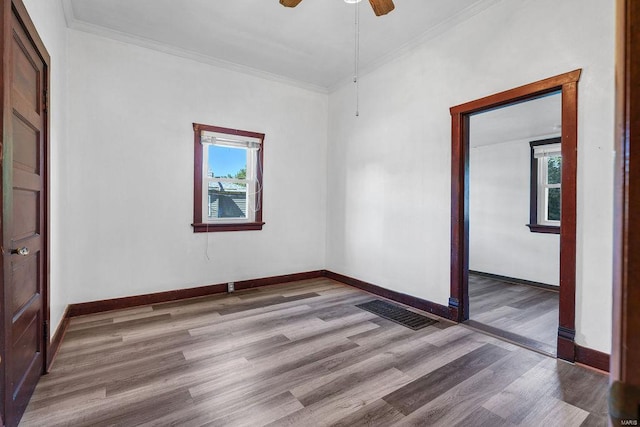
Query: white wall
<point x="121" y="208"/>
<point x="48" y="17"/>
<point x="389" y="170"/>
<point x="499" y="197"/>
<point x="130" y="168"/>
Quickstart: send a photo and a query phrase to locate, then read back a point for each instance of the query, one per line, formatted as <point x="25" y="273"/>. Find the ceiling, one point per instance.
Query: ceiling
<point x="311" y="45"/>
<point x="541" y="117"/>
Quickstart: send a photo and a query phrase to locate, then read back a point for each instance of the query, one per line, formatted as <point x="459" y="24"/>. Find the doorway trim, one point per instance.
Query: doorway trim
<point x="567" y="84"/>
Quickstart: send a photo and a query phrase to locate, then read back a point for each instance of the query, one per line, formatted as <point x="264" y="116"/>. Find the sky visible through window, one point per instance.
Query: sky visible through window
<point x="225" y="161"/>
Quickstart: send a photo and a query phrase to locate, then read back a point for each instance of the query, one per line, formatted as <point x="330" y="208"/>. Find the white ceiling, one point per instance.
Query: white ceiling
<point x="541" y="117"/>
<point x="311" y="45"/>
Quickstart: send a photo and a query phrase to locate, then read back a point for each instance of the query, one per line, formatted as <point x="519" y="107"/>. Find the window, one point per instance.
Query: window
<point x="227" y="179"/>
<point x="546" y="179"/>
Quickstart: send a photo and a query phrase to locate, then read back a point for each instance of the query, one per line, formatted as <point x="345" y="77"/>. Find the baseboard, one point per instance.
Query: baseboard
<point x="415" y="302"/>
<point x="516" y="281"/>
<point x="593" y="358"/>
<point x="56" y="339"/>
<point x="276" y="280"/>
<point x="92" y="307"/>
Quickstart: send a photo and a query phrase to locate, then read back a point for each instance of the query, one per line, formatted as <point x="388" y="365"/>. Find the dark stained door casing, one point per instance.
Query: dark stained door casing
<point x="24" y="204"/>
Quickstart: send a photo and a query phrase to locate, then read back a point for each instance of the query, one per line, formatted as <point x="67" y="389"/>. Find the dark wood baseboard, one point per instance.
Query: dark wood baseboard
<point x="516" y="281"/>
<point x="92" y="307"/>
<point x="415" y="302"/>
<point x="56" y="339"/>
<point x="277" y="280"/>
<point x="593" y="358"/>
<point x="179" y="294"/>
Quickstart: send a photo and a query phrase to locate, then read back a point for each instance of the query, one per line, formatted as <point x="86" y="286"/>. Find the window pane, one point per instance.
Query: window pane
<point x="227" y="162"/>
<point x="227" y="200"/>
<point x="554" y="169"/>
<point x="553" y="205"/>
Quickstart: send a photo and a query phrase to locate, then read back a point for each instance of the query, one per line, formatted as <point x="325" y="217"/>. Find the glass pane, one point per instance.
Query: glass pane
<point x="227" y="200"/>
<point x="553" y="205"/>
<point x="227" y="162"/>
<point x="554" y="169"/>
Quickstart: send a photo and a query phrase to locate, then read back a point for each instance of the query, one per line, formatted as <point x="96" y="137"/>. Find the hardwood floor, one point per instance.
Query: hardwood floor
<point x="301" y="354"/>
<point x="522" y="313"/>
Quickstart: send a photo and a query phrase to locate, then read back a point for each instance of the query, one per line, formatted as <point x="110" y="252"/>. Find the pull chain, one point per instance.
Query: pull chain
<point x="356" y="59"/>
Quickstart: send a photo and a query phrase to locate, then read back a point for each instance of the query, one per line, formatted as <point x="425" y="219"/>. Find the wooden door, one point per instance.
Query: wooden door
<point x="23" y="213"/>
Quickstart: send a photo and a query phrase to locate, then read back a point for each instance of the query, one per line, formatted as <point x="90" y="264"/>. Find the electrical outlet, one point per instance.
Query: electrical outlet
<point x="231" y="287"/>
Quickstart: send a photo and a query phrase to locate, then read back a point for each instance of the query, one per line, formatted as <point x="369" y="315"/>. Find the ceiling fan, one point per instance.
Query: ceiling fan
<point x="380" y="7"/>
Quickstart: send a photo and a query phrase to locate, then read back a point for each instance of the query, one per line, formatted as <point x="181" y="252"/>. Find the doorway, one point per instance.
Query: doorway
<point x="24" y="224"/>
<point x="567" y="85"/>
<point x="515" y="166"/>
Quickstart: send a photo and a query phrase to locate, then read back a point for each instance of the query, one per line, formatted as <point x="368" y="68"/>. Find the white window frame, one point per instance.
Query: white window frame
<point x="542" y="154"/>
<point x="251" y="147"/>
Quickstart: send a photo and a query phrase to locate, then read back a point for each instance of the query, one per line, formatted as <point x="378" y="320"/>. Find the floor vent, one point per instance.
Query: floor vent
<point x="397" y="314"/>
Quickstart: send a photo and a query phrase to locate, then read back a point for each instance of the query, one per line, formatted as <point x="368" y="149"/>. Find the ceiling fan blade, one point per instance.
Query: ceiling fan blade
<point x="290" y="3"/>
<point x="382" y="7"/>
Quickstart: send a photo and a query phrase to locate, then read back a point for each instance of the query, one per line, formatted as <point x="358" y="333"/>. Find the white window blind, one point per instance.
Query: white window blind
<point x="548" y="150"/>
<point x="225" y="140"/>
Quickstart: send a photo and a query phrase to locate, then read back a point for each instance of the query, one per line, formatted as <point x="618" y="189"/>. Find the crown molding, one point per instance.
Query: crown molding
<point x="441" y="28"/>
<point x="75" y="24"/>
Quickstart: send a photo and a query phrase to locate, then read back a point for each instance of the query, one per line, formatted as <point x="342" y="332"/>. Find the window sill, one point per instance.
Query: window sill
<point x="548" y="229"/>
<point x="234" y="226"/>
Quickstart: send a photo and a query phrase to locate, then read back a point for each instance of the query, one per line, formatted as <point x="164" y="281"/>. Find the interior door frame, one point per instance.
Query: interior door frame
<point x="624" y="391"/>
<point x="18" y="8"/>
<point x="567" y="84"/>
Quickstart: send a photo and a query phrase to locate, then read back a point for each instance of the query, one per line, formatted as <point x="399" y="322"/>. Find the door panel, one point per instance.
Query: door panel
<point x="24" y="272"/>
<point x="27" y="69"/>
<point x="26" y="148"/>
<point x="25" y="213"/>
<point x="28" y="337"/>
<point x="23" y="220"/>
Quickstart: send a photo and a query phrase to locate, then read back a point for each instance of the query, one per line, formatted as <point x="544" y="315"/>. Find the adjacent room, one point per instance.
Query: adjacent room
<point x="336" y="212"/>
<point x="515" y="166"/>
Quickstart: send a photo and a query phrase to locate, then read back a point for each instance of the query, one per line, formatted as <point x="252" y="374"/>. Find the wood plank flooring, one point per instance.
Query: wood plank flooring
<point x="527" y="314"/>
<point x="301" y="354"/>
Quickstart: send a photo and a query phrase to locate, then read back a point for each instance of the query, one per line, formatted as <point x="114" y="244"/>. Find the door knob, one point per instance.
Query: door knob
<point x="24" y="251"/>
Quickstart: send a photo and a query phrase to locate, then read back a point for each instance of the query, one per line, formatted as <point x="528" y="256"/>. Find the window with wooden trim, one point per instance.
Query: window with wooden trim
<point x="227" y="179"/>
<point x="546" y="182"/>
